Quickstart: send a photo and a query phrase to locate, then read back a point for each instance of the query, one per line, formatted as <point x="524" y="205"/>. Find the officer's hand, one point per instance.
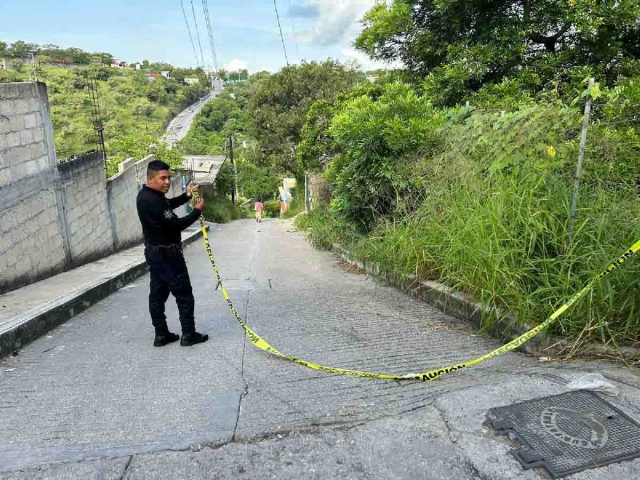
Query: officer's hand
<point x="199" y="205"/>
<point x="189" y="188"/>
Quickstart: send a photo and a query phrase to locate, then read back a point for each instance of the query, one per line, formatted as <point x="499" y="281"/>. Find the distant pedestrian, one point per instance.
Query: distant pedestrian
<point x="259" y="207"/>
<point x="283" y="200"/>
<point x="163" y="250"/>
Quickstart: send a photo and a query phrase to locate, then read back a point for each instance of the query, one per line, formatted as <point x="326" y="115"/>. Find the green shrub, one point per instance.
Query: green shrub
<point x="222" y="210"/>
<point x="271" y="209"/>
<point x="375" y="136"/>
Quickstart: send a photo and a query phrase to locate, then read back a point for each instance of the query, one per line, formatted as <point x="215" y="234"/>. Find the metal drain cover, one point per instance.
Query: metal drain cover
<point x="567" y="433"/>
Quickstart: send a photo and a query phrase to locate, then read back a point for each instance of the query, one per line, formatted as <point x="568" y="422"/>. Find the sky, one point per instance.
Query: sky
<point x="245" y="32"/>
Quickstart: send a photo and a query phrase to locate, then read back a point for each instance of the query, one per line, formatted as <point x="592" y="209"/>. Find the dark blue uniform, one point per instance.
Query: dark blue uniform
<point x="161" y="228"/>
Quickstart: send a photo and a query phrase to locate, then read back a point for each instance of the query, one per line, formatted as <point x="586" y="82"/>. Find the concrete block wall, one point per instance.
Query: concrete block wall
<point x="86" y="208"/>
<point x="122" y="190"/>
<point x="58" y="216"/>
<point x="32" y="244"/>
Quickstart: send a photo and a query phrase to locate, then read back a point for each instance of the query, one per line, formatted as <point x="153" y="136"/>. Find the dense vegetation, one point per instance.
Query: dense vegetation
<point x="265" y="116"/>
<point x="479" y="196"/>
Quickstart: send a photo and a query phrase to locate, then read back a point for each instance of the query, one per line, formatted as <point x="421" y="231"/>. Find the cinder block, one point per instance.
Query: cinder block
<point x="38" y="150"/>
<point x="8" y="107"/>
<point x="43" y="163"/>
<point x="5" y="176"/>
<point x="53" y="230"/>
<point x="25" y="137"/>
<point x="11" y="139"/>
<point x="23" y="105"/>
<point x="3" y="265"/>
<point x="30" y="168"/>
<point x="16" y="156"/>
<point x="71" y="215"/>
<point x="33" y="104"/>
<point x="11" y="123"/>
<point x="74" y="227"/>
<point x="11" y="90"/>
<point x="4" y="143"/>
<point x="32" y="120"/>
<point x="38" y="135"/>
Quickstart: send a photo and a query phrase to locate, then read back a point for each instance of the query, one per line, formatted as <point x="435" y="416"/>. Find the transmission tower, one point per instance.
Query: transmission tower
<point x="96" y="117"/>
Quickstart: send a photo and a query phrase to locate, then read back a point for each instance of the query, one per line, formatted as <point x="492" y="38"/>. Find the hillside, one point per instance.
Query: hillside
<point x="134" y="108"/>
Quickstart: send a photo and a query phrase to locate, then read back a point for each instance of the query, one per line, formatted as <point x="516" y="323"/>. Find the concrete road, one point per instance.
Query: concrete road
<point x="95" y="400"/>
<point x="179" y="126"/>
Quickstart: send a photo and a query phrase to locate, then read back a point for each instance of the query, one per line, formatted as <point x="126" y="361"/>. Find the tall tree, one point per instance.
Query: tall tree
<point x="463" y="45"/>
<point x="281" y="104"/>
<point x="20" y="48"/>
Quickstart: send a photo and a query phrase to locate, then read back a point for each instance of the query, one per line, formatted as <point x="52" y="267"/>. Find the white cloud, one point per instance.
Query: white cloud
<point x="236" y="65"/>
<point x="336" y="19"/>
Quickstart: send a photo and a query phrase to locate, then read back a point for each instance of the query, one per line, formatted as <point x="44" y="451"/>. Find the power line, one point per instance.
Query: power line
<point x="197" y="32"/>
<point x="207" y="17"/>
<point x="293" y="27"/>
<point x="189" y="30"/>
<point x="275" y="5"/>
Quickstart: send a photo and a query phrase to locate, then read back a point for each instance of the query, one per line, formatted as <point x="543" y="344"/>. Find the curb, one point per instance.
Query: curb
<point x="39" y="321"/>
<point x="504" y="327"/>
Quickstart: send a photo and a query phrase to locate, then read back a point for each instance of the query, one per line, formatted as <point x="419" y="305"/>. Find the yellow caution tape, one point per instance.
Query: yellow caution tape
<point x="262" y="344"/>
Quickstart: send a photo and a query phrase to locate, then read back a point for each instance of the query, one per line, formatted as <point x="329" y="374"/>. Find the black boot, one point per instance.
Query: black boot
<point x="165" y="338"/>
<point x="194" y="338"/>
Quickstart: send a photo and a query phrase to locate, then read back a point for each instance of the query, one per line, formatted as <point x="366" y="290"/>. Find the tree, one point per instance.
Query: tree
<point x="282" y="101"/>
<point x="17" y="65"/>
<point x="223" y="74"/>
<point x="376" y="136"/>
<point x="462" y="46"/>
<point x="317" y="148"/>
<point x="20" y="48"/>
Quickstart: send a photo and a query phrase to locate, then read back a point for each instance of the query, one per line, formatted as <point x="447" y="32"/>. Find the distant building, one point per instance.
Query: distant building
<point x="152" y="76"/>
<point x="117" y="63"/>
<point x="138" y="66"/>
<point x="4" y="64"/>
<point x="165" y="73"/>
<point x="191" y="80"/>
<point x="372" y="79"/>
<point x="203" y="168"/>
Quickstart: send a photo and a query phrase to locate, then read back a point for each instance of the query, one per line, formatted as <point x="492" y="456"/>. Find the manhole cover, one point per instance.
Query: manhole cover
<point x="567" y="433"/>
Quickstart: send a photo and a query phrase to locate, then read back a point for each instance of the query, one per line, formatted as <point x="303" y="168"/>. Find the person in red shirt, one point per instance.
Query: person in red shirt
<point x="259" y="207"/>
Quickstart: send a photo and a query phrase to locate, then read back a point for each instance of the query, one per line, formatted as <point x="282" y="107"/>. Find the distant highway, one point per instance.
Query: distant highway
<point x="179" y="126"/>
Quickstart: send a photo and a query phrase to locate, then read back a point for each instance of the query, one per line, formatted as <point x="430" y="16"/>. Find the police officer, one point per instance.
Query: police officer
<point x="161" y="228"/>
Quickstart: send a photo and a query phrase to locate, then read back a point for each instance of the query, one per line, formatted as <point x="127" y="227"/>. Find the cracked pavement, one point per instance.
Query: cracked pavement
<point x="93" y="399"/>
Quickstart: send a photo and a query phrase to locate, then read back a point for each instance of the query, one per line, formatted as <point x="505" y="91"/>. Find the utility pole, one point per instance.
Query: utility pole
<point x="234" y="188"/>
<point x="583" y="144"/>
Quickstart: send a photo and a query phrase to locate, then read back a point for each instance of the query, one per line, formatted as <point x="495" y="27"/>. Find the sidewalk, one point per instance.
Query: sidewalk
<point x="31" y="311"/>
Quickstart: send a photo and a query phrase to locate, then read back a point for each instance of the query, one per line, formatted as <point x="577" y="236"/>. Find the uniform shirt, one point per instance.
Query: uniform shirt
<point x="160" y="225"/>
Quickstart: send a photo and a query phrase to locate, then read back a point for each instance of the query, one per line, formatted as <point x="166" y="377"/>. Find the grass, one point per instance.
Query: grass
<point x="505" y="241"/>
<point x="220" y="209"/>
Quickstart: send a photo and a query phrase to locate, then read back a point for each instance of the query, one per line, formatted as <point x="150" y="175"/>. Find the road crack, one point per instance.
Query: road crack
<point x="126" y="467"/>
<point x="245" y="392"/>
